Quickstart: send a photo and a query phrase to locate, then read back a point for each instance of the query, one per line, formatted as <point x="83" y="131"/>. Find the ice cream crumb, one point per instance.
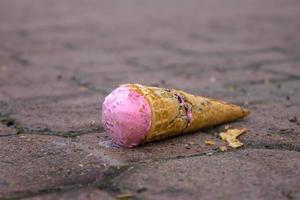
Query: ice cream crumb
<point x="127" y="195"/>
<point x="209" y="142"/>
<point x="230" y="136"/>
<point x="223" y="148"/>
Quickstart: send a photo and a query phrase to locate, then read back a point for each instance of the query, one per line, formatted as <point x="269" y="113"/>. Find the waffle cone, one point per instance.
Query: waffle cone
<point x="174" y="112"/>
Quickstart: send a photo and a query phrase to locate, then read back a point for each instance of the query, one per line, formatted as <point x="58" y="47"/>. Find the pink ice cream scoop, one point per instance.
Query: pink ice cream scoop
<point x="126" y="116"/>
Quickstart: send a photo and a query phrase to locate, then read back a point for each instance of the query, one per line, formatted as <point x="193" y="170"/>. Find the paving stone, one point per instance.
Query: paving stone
<point x="19" y="82"/>
<point x="79" y="194"/>
<point x="272" y="126"/>
<point x="292" y="69"/>
<point x="245" y="174"/>
<point x="70" y="113"/>
<point x="33" y="164"/>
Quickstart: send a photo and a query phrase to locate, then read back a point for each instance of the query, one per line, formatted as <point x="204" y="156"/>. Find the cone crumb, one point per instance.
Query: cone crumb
<point x="223" y="148"/>
<point x="124" y="196"/>
<point x="209" y="142"/>
<point x="226" y="127"/>
<point x="231" y="135"/>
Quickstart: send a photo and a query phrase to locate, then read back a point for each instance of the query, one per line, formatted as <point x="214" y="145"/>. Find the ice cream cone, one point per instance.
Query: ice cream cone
<point x="175" y="112"/>
<point x="171" y="112"/>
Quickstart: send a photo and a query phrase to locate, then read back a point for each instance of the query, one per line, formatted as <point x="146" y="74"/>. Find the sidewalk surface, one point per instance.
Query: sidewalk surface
<point x="59" y="59"/>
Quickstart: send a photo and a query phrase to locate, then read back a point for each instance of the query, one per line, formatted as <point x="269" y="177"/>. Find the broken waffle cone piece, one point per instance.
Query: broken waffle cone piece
<point x="231" y="135"/>
<point x="134" y="114"/>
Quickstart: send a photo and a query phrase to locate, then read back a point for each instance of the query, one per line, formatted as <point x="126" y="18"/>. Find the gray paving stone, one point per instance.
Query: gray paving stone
<point x="245" y="174"/>
<point x="79" y="194"/>
<point x="61" y="114"/>
<point x="33" y="164"/>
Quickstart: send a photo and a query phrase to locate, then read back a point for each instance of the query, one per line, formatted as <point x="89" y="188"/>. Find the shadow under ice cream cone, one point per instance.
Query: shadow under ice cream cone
<point x="133" y="114"/>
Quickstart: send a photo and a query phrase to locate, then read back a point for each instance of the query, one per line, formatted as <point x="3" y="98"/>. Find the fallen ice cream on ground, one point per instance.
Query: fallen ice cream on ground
<point x="134" y="114"/>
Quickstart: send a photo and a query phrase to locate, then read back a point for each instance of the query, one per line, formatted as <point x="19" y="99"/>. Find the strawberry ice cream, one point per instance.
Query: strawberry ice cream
<point x="126" y="116"/>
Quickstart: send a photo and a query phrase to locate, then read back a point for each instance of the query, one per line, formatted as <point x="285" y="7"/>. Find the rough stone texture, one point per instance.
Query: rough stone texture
<point x="59" y="59"/>
<point x="78" y="112"/>
<point x="5" y="131"/>
<point x="33" y="164"/>
<point x="78" y="194"/>
<point x="246" y="174"/>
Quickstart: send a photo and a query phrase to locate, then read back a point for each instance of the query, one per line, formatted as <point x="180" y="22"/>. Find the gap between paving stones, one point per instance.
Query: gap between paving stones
<point x="106" y="184"/>
<point x="10" y="122"/>
<point x="258" y="65"/>
<point x="275" y="72"/>
<point x="80" y="80"/>
<point x="275" y="146"/>
<point x="188" y="52"/>
<point x="215" y="151"/>
<point x="261" y="82"/>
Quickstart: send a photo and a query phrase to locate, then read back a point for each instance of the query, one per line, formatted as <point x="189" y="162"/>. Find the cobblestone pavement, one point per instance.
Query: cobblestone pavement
<point x="59" y="59"/>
